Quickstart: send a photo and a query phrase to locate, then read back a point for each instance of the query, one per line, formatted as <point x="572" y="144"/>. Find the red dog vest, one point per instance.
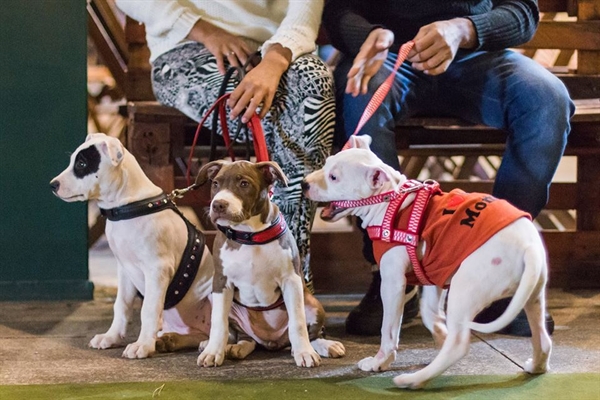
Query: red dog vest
<point x="454" y="225"/>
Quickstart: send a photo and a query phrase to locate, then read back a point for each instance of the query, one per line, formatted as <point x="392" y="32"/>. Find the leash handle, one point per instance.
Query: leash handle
<point x="260" y="144"/>
<point x="382" y="90"/>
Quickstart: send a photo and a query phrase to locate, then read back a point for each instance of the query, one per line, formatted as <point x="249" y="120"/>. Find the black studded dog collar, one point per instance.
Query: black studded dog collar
<point x="138" y="208"/>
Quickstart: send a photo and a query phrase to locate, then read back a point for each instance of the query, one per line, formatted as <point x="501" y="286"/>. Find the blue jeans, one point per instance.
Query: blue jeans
<point x="501" y="89"/>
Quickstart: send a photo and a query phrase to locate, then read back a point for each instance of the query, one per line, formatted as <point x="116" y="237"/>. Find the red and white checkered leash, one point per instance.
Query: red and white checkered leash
<point x="382" y="90"/>
<point x="424" y="190"/>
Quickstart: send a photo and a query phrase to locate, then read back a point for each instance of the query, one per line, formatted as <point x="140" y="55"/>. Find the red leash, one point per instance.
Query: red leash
<point x="382" y="90"/>
<point x="255" y="126"/>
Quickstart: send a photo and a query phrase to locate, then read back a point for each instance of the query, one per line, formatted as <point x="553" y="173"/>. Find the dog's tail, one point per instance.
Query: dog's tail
<point x="534" y="260"/>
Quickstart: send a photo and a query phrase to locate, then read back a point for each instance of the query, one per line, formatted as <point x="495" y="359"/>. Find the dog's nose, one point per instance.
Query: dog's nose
<point x="219" y="206"/>
<point x="304" y="185"/>
<point x="54" y="185"/>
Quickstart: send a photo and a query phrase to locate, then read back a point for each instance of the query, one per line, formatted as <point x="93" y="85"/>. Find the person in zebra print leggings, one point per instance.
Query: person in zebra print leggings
<point x="192" y="43"/>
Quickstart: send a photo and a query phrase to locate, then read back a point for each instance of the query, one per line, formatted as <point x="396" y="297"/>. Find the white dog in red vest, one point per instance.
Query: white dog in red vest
<point x="481" y="247"/>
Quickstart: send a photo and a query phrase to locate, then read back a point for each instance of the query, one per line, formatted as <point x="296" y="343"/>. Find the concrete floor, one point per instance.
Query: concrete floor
<point x="47" y="343"/>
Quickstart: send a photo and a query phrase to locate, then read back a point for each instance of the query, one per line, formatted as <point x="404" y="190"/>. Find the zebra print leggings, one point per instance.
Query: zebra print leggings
<point x="298" y="127"/>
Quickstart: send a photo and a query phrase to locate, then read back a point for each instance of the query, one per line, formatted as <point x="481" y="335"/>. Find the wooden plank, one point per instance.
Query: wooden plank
<point x="588" y="62"/>
<point x="109" y="21"/>
<point x="109" y="53"/>
<point x="579" y="35"/>
<point x="574" y="258"/>
<point x="552" y="5"/>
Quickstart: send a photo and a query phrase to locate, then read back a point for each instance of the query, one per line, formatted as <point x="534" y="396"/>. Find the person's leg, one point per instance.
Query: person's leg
<point x="403" y="100"/>
<point x="512" y="92"/>
<point x="299" y="133"/>
<point x="509" y="91"/>
<point x="298" y="128"/>
<point x="186" y="78"/>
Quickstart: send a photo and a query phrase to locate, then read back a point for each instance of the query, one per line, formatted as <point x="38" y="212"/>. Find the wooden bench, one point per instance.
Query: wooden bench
<point x="156" y="135"/>
<point x="455" y="153"/>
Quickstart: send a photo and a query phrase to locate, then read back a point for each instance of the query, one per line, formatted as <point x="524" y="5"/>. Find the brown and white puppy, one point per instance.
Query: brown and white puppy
<point x="156" y="252"/>
<point x="257" y="288"/>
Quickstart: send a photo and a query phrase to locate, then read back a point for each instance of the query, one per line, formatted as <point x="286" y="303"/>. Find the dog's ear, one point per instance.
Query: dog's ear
<point x="360" y="142"/>
<point x="209" y="171"/>
<point x="376" y="177"/>
<point x="91" y="136"/>
<point x="113" y="149"/>
<point x="272" y="172"/>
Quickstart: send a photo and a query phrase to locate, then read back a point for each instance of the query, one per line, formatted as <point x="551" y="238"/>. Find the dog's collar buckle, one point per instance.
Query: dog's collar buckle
<point x="230" y="233"/>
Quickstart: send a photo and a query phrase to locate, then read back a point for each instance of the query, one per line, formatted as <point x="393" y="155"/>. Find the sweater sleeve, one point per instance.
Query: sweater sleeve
<point x="166" y="20"/>
<point x="510" y="23"/>
<point x="298" y="30"/>
<point x="346" y="29"/>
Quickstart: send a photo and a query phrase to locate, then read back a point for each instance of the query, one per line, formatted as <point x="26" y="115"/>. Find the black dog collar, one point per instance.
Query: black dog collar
<point x="273" y="232"/>
<point x="138" y="208"/>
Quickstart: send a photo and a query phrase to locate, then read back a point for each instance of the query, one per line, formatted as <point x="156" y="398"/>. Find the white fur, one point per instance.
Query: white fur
<point x="148" y="250"/>
<point x="357" y="173"/>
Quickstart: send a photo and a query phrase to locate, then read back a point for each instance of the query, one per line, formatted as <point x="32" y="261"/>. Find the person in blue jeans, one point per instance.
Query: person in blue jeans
<point x="460" y="66"/>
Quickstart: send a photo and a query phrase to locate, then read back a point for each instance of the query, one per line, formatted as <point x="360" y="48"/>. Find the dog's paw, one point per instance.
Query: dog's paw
<point x="307" y="358"/>
<point x="240" y="350"/>
<point x="105" y="341"/>
<point x="380" y="362"/>
<point x="168" y="342"/>
<point x="209" y="358"/>
<point x="408" y="381"/>
<point x="139" y="350"/>
<point x="328" y="348"/>
<point x="531" y="368"/>
<point x="203" y="345"/>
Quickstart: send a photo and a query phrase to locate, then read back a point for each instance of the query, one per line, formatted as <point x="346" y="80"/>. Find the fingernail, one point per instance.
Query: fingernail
<point x="244" y="120"/>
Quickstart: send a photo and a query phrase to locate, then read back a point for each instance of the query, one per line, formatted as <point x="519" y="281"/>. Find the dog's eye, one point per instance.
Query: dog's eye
<point x="244" y="184"/>
<point x="80" y="164"/>
<point x="332" y="177"/>
<point x="215" y="184"/>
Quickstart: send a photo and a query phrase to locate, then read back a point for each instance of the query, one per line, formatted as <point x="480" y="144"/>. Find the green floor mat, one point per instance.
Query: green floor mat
<point x="488" y="387"/>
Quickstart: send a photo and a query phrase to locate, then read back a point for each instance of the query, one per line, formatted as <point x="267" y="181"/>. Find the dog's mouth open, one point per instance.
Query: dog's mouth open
<point x="330" y="211"/>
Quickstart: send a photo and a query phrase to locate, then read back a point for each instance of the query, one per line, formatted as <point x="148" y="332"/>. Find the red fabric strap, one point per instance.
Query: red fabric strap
<point x="254" y="125"/>
<point x="383" y="89"/>
<point x="411" y="235"/>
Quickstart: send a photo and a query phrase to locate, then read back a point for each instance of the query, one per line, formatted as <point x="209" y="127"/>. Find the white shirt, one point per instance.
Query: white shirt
<point x="292" y="23"/>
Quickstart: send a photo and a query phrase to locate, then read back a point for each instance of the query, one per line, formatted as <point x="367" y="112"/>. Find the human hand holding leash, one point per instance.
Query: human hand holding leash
<point x="258" y="87"/>
<point x="222" y="44"/>
<point x="369" y="59"/>
<point x="436" y="44"/>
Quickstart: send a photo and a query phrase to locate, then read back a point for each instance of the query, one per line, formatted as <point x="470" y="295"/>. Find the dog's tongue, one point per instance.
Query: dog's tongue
<point x="329" y="211"/>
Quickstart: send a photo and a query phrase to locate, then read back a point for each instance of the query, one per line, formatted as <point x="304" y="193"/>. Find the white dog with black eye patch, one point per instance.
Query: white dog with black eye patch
<point x="160" y="254"/>
<point x="258" y="288"/>
<point x="481" y="247"/>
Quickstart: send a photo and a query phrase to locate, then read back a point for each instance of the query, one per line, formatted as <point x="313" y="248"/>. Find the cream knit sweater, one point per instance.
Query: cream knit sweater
<point x="292" y="23"/>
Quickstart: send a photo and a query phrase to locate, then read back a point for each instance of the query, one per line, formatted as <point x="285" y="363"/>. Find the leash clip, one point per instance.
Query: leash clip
<point x="179" y="193"/>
